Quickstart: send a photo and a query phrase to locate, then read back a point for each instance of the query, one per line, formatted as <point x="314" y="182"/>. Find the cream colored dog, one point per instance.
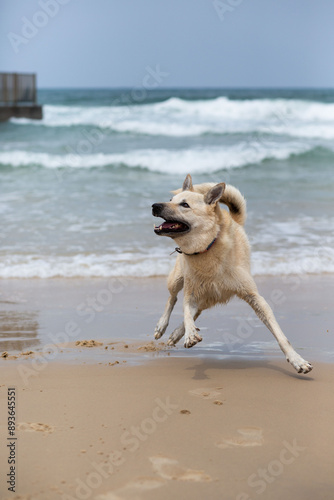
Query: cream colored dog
<point x="214" y="261"/>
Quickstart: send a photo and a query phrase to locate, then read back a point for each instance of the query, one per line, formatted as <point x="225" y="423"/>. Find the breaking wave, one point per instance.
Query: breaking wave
<point x="181" y="118"/>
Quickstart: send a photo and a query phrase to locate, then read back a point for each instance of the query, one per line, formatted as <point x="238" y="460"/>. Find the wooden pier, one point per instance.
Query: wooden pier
<point x="18" y="97"/>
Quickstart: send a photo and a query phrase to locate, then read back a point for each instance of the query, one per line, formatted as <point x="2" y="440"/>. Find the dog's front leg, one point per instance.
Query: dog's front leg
<point x="190" y="310"/>
<point x="179" y="332"/>
<point x="164" y="320"/>
<point x="175" y="284"/>
<point x="265" y="313"/>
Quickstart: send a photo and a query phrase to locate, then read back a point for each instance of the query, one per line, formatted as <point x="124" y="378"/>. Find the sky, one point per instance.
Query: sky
<point x="186" y="43"/>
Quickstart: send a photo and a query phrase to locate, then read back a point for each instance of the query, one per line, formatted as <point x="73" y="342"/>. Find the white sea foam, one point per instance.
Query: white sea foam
<point x="295" y="261"/>
<point x="83" y="265"/>
<point x="157" y="263"/>
<point x="196" y="160"/>
<point x="181" y="118"/>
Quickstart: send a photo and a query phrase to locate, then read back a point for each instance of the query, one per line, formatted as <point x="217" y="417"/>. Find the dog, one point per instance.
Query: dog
<point x="213" y="264"/>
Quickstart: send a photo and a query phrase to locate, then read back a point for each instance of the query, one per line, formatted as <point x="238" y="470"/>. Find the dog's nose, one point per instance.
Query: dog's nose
<point x="157" y="208"/>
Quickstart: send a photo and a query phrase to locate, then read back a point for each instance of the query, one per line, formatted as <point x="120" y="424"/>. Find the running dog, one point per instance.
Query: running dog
<point x="213" y="263"/>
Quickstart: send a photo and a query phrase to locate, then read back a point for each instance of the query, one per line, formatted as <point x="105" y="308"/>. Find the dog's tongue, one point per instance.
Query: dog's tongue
<point x="172" y="225"/>
<point x="169" y="225"/>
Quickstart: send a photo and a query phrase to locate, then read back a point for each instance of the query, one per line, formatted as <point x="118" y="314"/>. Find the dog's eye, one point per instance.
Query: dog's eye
<point x="184" y="204"/>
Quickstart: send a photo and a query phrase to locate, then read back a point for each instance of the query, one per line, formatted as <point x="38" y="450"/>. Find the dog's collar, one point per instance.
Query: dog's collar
<point x="178" y="249"/>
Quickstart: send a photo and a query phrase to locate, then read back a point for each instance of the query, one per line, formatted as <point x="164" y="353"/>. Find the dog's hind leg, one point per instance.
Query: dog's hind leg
<point x="179" y="332"/>
<point x="266" y="315"/>
<point x="175" y="284"/>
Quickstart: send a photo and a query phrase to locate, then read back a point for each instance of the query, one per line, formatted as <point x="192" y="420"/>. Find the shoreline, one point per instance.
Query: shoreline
<point x="37" y="314"/>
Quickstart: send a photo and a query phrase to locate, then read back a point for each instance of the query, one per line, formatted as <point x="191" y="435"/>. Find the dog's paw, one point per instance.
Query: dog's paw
<point x="158" y="333"/>
<point x="160" y="329"/>
<point x="192" y="339"/>
<point x="299" y="364"/>
<point x="176" y="336"/>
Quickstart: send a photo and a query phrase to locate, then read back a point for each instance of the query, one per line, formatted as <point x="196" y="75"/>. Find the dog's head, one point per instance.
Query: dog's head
<point x="189" y="212"/>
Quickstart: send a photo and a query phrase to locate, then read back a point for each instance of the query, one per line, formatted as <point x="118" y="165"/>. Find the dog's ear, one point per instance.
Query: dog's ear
<point x="215" y="193"/>
<point x="188" y="184"/>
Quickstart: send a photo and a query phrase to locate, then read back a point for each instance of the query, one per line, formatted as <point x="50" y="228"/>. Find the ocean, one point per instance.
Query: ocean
<point x="77" y="187"/>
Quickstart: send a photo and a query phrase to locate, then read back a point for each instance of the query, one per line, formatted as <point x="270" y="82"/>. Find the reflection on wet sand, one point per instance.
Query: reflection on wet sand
<point x="18" y="330"/>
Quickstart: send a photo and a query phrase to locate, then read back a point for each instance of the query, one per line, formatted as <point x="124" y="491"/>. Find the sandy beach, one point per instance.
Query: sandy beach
<point x="130" y="418"/>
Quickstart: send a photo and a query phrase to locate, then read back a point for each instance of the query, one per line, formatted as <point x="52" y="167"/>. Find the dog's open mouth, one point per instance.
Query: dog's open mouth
<point x="171" y="227"/>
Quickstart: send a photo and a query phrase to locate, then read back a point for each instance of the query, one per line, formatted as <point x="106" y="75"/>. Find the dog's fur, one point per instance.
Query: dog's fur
<point x="212" y="274"/>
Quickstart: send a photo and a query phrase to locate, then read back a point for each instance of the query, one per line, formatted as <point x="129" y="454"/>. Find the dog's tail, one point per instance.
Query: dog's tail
<point x="236" y="203"/>
<point x="230" y="197"/>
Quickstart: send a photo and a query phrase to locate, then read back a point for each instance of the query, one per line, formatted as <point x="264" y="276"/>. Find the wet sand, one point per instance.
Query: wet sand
<point x="38" y="313"/>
